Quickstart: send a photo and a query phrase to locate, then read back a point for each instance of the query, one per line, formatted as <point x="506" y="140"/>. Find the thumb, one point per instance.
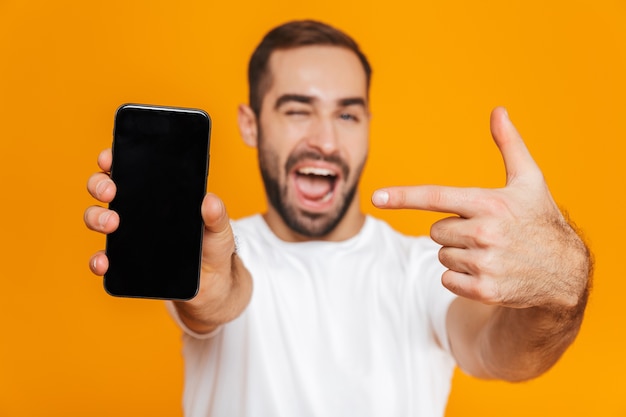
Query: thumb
<point x="218" y="242"/>
<point x="517" y="159"/>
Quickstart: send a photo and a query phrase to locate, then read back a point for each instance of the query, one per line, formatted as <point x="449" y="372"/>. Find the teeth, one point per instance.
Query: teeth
<point x="316" y="171"/>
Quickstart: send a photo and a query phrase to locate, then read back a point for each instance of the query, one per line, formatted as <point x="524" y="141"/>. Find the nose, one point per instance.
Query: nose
<point x="323" y="137"/>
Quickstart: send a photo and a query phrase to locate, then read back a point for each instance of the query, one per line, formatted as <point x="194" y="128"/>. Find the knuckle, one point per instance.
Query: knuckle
<point x="463" y="285"/>
<point x="487" y="289"/>
<point x="400" y="198"/>
<point x="89" y="217"/>
<point x="476" y="286"/>
<point x="484" y="266"/>
<point x="91" y="184"/>
<point x="100" y="186"/>
<point x="437" y="233"/>
<point x="86" y="217"/>
<point x="495" y="205"/>
<point x="488" y="292"/>
<point x="448" y="280"/>
<point x="485" y="235"/>
<point x="484" y="290"/>
<point x="93" y="263"/>
<point x="436" y="198"/>
<point x="444" y="257"/>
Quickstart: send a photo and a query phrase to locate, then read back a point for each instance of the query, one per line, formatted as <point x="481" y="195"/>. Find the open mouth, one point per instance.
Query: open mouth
<point x="315" y="185"/>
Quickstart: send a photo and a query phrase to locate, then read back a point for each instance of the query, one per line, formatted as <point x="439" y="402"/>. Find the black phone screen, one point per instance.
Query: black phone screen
<point x="160" y="166"/>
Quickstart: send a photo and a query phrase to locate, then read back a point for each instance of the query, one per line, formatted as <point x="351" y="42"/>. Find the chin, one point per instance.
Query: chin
<point x="316" y="224"/>
<point x="313" y="226"/>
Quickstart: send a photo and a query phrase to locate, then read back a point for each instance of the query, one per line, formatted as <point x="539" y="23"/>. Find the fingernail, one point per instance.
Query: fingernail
<point x="93" y="263"/>
<point x="380" y="198"/>
<point x="102" y="187"/>
<point x="102" y="220"/>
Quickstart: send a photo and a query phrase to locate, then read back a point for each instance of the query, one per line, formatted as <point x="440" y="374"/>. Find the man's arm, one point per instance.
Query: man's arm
<point x="521" y="270"/>
<point x="494" y="342"/>
<point x="225" y="283"/>
<point x="520" y="343"/>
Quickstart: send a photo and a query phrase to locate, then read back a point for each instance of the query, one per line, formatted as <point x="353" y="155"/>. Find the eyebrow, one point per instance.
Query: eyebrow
<point x="353" y="101"/>
<point x="300" y="98"/>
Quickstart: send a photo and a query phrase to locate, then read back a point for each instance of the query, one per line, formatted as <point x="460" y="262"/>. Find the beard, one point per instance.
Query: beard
<point x="313" y="225"/>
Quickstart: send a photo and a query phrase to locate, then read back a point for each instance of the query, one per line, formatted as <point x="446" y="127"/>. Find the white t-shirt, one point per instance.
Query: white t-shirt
<point x="345" y="328"/>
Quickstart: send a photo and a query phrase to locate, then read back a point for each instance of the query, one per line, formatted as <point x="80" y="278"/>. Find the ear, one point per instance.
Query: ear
<point x="247" y="125"/>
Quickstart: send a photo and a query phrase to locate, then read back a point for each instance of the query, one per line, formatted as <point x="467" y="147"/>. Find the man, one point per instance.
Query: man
<point x="347" y="316"/>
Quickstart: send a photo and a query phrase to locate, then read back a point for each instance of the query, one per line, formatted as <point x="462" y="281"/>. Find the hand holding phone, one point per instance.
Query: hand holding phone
<point x="160" y="159"/>
<point x="226" y="284"/>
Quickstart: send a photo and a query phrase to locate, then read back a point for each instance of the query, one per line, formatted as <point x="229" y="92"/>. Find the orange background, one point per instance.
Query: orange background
<point x="67" y="348"/>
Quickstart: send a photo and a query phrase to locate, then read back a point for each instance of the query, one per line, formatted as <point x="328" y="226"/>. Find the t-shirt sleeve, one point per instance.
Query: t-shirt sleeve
<point x="436" y="297"/>
<point x="171" y="309"/>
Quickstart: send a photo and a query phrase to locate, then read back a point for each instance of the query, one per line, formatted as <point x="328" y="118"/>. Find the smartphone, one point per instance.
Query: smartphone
<point x="160" y="167"/>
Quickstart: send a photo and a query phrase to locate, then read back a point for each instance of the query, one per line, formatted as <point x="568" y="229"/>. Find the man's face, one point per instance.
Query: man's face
<point x="313" y="136"/>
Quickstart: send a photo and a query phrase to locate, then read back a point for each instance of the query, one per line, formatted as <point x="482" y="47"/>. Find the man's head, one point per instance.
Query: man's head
<point x="309" y="118"/>
<point x="293" y="35"/>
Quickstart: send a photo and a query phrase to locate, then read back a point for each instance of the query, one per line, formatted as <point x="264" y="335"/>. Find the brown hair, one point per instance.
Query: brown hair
<point x="292" y="35"/>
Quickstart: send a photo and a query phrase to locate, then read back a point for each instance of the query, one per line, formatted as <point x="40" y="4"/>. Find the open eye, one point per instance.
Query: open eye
<point x="348" y="117"/>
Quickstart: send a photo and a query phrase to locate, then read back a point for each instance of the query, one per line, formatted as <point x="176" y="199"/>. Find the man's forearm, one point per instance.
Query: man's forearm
<point x="220" y="299"/>
<point x="520" y="344"/>
<point x="513" y="344"/>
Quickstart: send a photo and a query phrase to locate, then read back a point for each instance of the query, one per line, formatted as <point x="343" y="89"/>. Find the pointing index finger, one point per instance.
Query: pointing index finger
<point x="461" y="201"/>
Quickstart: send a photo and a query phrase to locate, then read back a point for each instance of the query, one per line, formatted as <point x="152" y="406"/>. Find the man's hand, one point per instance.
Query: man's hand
<point x="511" y="250"/>
<point x="225" y="283"/>
<point x="509" y="246"/>
<point x="97" y="218"/>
